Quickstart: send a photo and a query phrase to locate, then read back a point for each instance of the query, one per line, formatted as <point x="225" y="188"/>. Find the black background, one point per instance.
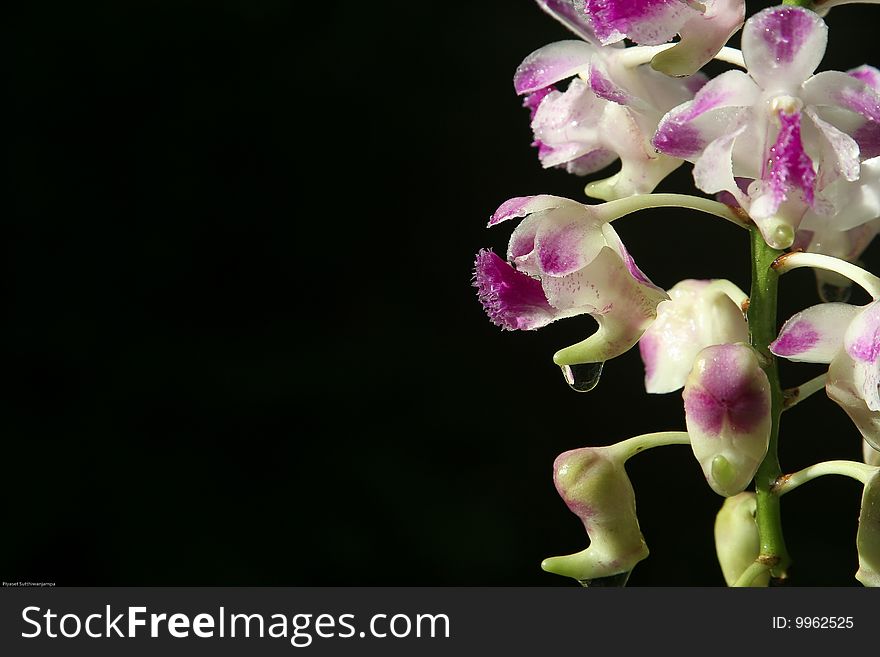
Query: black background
<point x="242" y="344"/>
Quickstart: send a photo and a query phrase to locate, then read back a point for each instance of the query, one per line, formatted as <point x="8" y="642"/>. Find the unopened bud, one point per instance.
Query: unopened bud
<point x="727" y="409"/>
<point x="868" y="536"/>
<point x="737" y="542"/>
<point x="596" y="488"/>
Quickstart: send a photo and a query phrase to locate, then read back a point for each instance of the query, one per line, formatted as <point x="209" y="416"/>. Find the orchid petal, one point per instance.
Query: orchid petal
<point x="867" y="74"/>
<point x="699" y="314"/>
<point x="815" y="335"/>
<point x="570" y="13"/>
<point x="713" y="171"/>
<point x="843" y="390"/>
<point x="687" y="129"/>
<point x="782" y="46"/>
<point x="622" y="303"/>
<point x="839" y="156"/>
<point x="727" y="409"/>
<point x="862" y="343"/>
<point x="520" y="206"/>
<point x="788" y="169"/>
<point x="648" y="22"/>
<point x="567" y="125"/>
<point x="838" y="89"/>
<point x="512" y="300"/>
<point x="702" y="36"/>
<point x="552" y="63"/>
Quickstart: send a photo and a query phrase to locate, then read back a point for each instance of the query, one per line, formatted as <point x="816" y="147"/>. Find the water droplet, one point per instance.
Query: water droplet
<point x="619" y="580"/>
<point x="583" y="377"/>
<point x="830" y="292"/>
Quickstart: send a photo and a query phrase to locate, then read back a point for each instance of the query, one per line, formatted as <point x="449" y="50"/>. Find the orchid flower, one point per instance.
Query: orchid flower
<point x="793" y="134"/>
<point x="848" y="338"/>
<point x="565" y="259"/>
<point x="698" y="314"/>
<point x="609" y="110"/>
<point x="737" y="542"/>
<point x="727" y="409"/>
<point x="845" y="336"/>
<point x="704" y="27"/>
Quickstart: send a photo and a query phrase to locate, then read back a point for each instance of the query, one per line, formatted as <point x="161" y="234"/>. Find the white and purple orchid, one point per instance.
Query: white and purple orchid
<point x="697" y="315"/>
<point x="609" y="110"/>
<point x="795" y="157"/>
<point x="565" y="259"/>
<point x="793" y="134"/>
<point x="704" y="27"/>
<point x="846" y="337"/>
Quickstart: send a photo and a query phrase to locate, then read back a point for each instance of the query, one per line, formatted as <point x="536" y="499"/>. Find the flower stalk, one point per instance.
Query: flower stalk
<point x="762" y="331"/>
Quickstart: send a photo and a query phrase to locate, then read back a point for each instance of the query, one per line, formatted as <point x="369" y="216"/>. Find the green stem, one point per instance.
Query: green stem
<point x="859" y="471"/>
<point x="762" y="331"/>
<point x="806" y="4"/>
<point x="626" y="449"/>
<point x="751" y="573"/>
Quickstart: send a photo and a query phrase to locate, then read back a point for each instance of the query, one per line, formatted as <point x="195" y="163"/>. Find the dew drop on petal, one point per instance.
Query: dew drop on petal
<point x="582" y="377"/>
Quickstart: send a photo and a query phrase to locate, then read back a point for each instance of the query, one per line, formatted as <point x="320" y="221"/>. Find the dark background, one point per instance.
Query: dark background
<point x="242" y="345"/>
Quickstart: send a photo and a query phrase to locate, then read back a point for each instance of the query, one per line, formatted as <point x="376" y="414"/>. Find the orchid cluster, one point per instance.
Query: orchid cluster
<point x="790" y="155"/>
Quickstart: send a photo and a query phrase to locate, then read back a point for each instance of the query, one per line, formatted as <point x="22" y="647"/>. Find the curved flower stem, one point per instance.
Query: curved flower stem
<point x="853" y="469"/>
<point x="788" y="261"/>
<point x="762" y="331"/>
<point x="750" y="573"/>
<point x="794" y="396"/>
<point x="626" y="449"/>
<point x="612" y="210"/>
<point x="638" y="55"/>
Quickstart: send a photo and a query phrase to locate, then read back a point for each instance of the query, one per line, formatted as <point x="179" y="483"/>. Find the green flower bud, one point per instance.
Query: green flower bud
<point x="596" y="488"/>
<point x="737" y="542"/>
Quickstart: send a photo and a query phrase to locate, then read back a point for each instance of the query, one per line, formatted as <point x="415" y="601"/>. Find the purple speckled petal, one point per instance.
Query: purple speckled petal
<point x="788" y="170"/>
<point x="846" y="393"/>
<point x="727" y="410"/>
<point x="867" y="74"/>
<point x="568" y="241"/>
<point x="862" y="342"/>
<point x="815" y="335"/>
<point x="520" y="206"/>
<point x="782" y="46"/>
<point x="601" y="84"/>
<point x="702" y="36"/>
<point x="511" y="299"/>
<point x="854" y="94"/>
<point x="591" y="162"/>
<point x="838" y="154"/>
<point x="566" y="124"/>
<point x="623" y="306"/>
<point x="552" y="63"/>
<point x="648" y="22"/>
<point x="533" y="101"/>
<point x="713" y="171"/>
<point x="687" y="129"/>
<point x="571" y="14"/>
